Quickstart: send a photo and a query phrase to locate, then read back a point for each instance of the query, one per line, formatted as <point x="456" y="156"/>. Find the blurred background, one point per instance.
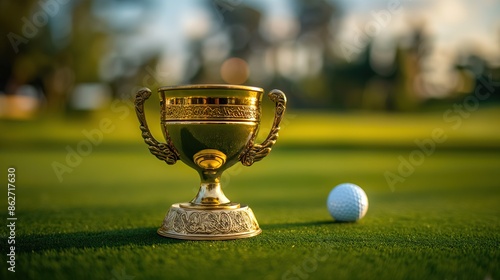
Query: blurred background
<point x="63" y="57"/>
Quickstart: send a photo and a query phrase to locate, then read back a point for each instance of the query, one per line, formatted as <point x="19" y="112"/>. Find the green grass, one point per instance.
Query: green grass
<point x="100" y="222"/>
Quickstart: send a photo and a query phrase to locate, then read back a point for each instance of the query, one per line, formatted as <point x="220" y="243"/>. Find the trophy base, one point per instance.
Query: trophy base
<point x="209" y="224"/>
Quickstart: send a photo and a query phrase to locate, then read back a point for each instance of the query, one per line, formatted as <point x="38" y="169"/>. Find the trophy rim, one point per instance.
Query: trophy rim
<point x="211" y="86"/>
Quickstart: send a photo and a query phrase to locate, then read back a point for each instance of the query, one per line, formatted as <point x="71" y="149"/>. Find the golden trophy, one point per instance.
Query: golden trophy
<point x="210" y="128"/>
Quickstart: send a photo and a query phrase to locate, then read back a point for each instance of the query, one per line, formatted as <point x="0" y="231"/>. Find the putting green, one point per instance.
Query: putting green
<point x="99" y="221"/>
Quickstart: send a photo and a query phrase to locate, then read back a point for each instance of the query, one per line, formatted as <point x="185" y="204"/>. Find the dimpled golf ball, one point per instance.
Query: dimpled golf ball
<point x="347" y="203"/>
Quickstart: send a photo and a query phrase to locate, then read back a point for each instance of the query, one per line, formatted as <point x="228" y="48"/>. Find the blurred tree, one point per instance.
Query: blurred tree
<point x="347" y="81"/>
<point x="22" y="47"/>
<point x="315" y="36"/>
<point x="240" y="25"/>
<point x="31" y="56"/>
<point x="361" y="85"/>
<point x="90" y="40"/>
<point x="479" y="78"/>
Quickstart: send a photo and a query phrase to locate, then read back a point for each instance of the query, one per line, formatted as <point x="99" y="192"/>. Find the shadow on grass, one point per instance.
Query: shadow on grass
<point x="123" y="237"/>
<point x="312" y="225"/>
<point x="297" y="225"/>
<point x="81" y="240"/>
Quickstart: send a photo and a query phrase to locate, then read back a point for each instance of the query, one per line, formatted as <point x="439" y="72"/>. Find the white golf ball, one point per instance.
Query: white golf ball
<point x="347" y="203"/>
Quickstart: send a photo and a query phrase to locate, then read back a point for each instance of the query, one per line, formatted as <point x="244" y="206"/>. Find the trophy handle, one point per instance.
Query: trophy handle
<point x="163" y="151"/>
<point x="256" y="152"/>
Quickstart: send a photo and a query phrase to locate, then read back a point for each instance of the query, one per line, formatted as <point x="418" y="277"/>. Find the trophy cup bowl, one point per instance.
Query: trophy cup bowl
<point x="210" y="128"/>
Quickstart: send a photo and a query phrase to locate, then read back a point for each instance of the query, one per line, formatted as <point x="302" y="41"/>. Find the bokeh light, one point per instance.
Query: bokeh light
<point x="234" y="70"/>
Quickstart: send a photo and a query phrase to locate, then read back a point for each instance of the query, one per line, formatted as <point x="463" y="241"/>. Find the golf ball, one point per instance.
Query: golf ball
<point x="347" y="203"/>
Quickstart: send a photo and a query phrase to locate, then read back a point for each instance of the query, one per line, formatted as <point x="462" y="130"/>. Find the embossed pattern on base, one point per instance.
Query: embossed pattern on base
<point x="209" y="224"/>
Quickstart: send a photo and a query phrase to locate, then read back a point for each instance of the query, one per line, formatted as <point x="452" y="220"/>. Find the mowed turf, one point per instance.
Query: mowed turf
<point x="100" y="221"/>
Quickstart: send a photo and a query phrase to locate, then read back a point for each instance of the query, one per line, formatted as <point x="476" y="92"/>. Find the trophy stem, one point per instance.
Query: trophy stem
<point x="210" y="194"/>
